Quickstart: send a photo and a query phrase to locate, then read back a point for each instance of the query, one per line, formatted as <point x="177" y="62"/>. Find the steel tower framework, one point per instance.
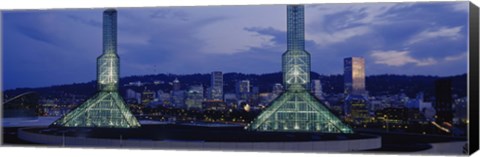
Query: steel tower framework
<point x="106" y="108"/>
<point x="297" y="109"/>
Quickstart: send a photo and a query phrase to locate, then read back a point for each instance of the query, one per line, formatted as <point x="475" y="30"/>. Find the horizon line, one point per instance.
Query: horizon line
<point x="123" y="77"/>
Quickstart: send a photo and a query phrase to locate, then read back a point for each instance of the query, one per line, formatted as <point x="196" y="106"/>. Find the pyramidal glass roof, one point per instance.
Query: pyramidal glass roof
<point x="105" y="109"/>
<point x="298" y="111"/>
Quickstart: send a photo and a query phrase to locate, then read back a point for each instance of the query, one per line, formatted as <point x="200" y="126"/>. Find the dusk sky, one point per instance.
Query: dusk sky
<point x="52" y="47"/>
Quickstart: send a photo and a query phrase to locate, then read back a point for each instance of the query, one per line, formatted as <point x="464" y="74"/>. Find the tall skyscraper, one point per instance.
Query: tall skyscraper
<point x="216" y="85"/>
<point x="194" y="97"/>
<point x="297" y="109"/>
<point x="317" y="88"/>
<point x="107" y="108"/>
<point x="443" y="101"/>
<point x="243" y="89"/>
<point x="354" y="75"/>
<point x="178" y="97"/>
<point x="176" y="85"/>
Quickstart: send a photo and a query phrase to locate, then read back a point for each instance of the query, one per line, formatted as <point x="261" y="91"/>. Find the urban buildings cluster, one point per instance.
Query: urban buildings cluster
<point x="211" y="102"/>
<point x="360" y="110"/>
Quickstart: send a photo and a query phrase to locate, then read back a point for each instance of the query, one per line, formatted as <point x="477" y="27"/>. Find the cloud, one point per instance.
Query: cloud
<point x="336" y="23"/>
<point x="279" y="37"/>
<point x="327" y="38"/>
<point x="441" y="32"/>
<point x="170" y="14"/>
<point x="237" y="39"/>
<point x="90" y="22"/>
<point x="456" y="57"/>
<point x="229" y="36"/>
<point x="460" y="7"/>
<point x="426" y="62"/>
<point x="399" y="58"/>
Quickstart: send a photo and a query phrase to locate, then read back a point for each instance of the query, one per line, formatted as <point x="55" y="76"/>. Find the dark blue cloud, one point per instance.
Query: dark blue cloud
<point x="90" y="22"/>
<point x="279" y="37"/>
<point x="170" y="14"/>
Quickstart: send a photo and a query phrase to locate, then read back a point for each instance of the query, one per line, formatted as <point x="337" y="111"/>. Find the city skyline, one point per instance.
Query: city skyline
<point x="294" y="109"/>
<point x="330" y="27"/>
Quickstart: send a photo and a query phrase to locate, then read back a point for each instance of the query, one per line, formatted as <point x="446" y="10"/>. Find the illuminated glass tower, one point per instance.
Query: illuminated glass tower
<point x="106" y="108"/>
<point x="296" y="61"/>
<point x="354" y="75"/>
<point x="297" y="109"/>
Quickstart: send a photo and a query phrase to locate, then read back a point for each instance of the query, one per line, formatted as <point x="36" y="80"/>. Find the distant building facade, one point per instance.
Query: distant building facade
<point x="242" y="89"/>
<point x="178" y="97"/>
<point x="443" y="101"/>
<point x="176" y="84"/>
<point x="216" y="86"/>
<point x="317" y="88"/>
<point x="354" y="75"/>
<point x="357" y="110"/>
<point x="147" y="97"/>
<point x="195" y="97"/>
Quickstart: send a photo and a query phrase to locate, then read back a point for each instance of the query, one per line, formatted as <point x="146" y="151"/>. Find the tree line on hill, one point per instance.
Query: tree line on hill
<point x="386" y="84"/>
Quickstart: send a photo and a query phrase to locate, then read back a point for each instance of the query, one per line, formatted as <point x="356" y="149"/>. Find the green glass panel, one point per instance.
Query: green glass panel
<point x="105" y="109"/>
<point x="298" y="111"/>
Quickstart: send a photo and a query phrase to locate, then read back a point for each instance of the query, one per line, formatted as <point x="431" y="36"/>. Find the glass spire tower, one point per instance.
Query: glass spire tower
<point x="297" y="109"/>
<point x="106" y="108"/>
<point x="107" y="63"/>
<point x="296" y="61"/>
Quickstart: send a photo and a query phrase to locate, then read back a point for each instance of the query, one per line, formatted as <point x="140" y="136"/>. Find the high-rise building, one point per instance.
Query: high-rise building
<point x="460" y="111"/>
<point x="133" y="96"/>
<point x="216" y="85"/>
<point x="107" y="108"/>
<point x="443" y="101"/>
<point x="147" y="97"/>
<point x="176" y="84"/>
<point x="178" y="97"/>
<point x="357" y="110"/>
<point x="242" y="89"/>
<point x="354" y="75"/>
<point x="317" y="89"/>
<point x="195" y="97"/>
<point x="297" y="109"/>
